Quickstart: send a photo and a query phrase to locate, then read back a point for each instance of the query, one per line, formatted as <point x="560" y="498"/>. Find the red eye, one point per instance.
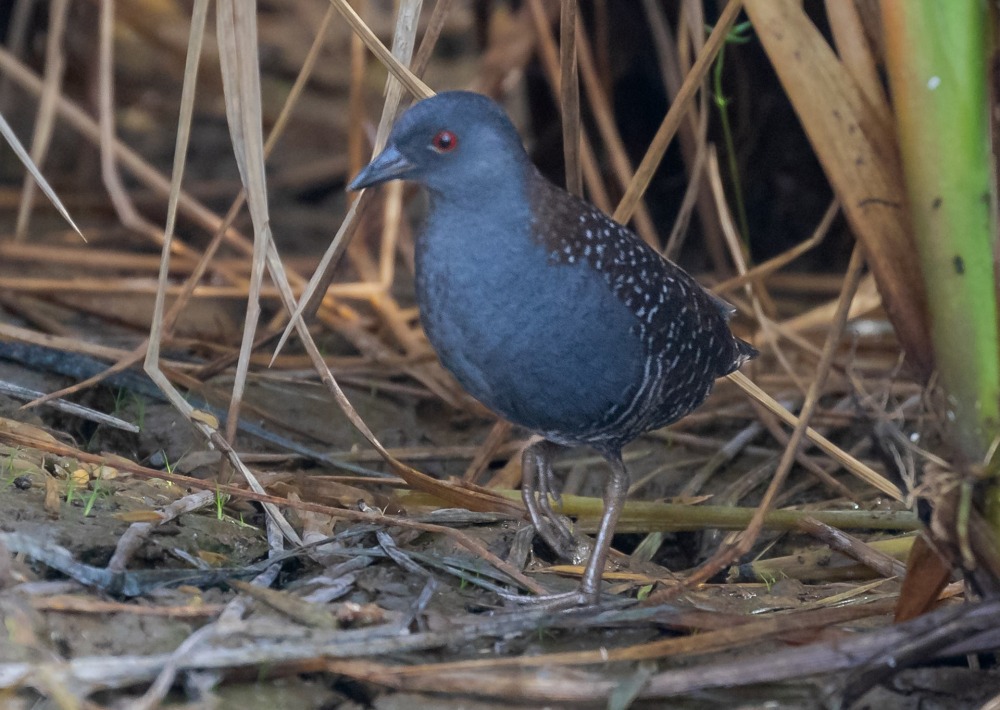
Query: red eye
<point x="445" y="141"/>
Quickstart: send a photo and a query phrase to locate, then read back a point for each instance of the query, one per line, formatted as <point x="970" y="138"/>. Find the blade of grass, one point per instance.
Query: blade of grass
<point x="937" y="61"/>
<point x="858" y="153"/>
<point x="678" y="109"/>
<point x="55" y="64"/>
<point x="570" y="89"/>
<point x="8" y="134"/>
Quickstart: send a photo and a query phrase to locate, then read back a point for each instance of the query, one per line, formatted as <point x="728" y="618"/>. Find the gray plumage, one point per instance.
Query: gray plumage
<point x="545" y="309"/>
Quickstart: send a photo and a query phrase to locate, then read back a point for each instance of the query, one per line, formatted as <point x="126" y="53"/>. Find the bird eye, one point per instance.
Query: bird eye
<point x="445" y="141"/>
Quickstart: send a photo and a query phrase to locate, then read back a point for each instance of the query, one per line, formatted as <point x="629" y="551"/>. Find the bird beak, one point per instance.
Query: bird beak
<point x="390" y="164"/>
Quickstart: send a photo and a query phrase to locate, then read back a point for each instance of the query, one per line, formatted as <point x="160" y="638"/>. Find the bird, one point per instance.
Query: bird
<point x="547" y="311"/>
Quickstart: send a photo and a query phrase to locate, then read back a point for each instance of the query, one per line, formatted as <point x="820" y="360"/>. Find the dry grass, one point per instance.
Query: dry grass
<point x="821" y="427"/>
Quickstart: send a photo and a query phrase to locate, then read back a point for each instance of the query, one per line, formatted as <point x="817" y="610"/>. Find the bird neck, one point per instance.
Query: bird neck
<point x="481" y="214"/>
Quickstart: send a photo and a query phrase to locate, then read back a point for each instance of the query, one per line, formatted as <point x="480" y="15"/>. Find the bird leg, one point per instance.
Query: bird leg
<point x="615" y="491"/>
<point x="537" y="484"/>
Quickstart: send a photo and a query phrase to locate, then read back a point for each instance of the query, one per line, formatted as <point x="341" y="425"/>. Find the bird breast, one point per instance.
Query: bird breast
<point x="545" y="345"/>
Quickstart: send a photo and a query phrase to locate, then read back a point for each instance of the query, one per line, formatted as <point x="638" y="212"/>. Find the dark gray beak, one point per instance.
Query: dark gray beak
<point x="388" y="165"/>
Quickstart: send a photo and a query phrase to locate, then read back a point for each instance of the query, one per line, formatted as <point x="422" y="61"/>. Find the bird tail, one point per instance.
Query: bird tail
<point x="744" y="351"/>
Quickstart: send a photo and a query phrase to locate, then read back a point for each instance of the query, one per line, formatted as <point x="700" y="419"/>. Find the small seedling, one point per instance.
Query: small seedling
<point x="92" y="498"/>
<point x="70" y="489"/>
<point x="8" y="471"/>
<point x="124" y="397"/>
<point x="140" y="409"/>
<point x="220" y="502"/>
<point x="740" y="34"/>
<point x="768" y="580"/>
<point x="120" y="395"/>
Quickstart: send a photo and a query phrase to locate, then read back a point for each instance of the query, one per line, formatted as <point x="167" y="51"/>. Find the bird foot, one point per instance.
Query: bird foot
<point x="555" y="530"/>
<point x="539" y="492"/>
<point x="577" y="599"/>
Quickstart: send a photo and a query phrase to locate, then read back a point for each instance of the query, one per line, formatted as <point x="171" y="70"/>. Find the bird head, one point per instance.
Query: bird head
<point x="451" y="143"/>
